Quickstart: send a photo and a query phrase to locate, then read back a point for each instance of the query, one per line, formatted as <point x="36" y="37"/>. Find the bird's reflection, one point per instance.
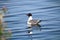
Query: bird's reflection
<point x="33" y="27"/>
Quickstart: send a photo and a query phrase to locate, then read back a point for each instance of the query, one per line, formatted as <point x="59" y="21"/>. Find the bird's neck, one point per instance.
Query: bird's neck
<point x="30" y="18"/>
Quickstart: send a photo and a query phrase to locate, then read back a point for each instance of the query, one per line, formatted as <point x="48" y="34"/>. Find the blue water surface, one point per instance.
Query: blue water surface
<point x="46" y="10"/>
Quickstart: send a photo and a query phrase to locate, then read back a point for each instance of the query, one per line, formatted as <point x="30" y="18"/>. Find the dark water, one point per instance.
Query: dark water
<point x="46" y="10"/>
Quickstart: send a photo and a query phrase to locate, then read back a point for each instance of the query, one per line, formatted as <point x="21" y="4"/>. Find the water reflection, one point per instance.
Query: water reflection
<point x="47" y="10"/>
<point x="31" y="28"/>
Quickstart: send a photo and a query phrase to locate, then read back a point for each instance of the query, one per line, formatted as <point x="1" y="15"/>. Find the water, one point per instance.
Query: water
<point x="46" y="10"/>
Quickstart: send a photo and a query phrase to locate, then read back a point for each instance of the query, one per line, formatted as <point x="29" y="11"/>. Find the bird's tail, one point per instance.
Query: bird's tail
<point x="38" y="21"/>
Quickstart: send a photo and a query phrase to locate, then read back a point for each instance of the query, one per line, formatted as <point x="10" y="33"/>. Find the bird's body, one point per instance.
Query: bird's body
<point x="32" y="21"/>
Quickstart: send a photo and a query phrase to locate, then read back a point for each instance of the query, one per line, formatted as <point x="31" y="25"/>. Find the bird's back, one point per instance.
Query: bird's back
<point x="34" y="21"/>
